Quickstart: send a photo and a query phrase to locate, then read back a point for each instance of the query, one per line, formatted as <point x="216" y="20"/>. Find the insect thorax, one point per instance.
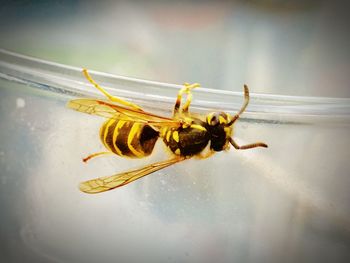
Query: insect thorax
<point x="187" y="140"/>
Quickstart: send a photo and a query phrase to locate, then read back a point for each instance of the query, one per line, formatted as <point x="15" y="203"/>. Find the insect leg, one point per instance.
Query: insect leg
<point x="87" y="158"/>
<point x="205" y="155"/>
<point x="185" y="89"/>
<point x="109" y="96"/>
<point x="244" y="106"/>
<point x="247" y="146"/>
<point x="189" y="96"/>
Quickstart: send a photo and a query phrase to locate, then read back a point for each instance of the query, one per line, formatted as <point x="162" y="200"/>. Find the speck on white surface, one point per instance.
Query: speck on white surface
<point x="21" y="103"/>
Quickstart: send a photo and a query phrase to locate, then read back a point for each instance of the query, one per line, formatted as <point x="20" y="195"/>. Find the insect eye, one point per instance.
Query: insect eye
<point x="213" y="119"/>
<point x="223" y="118"/>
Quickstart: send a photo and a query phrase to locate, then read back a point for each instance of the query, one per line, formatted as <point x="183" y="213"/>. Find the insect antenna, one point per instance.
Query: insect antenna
<point x="247" y="146"/>
<point x="244" y="106"/>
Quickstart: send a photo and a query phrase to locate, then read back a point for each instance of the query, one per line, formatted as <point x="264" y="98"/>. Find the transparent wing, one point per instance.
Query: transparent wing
<point x="107" y="183"/>
<point x="109" y="110"/>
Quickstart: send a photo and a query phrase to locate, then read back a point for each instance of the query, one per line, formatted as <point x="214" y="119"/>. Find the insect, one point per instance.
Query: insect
<point x="129" y="131"/>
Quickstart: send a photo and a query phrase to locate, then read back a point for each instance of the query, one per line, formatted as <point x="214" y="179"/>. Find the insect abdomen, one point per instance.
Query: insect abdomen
<point x="128" y="138"/>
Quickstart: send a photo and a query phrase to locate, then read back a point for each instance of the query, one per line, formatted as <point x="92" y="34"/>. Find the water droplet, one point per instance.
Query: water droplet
<point x="21" y="103"/>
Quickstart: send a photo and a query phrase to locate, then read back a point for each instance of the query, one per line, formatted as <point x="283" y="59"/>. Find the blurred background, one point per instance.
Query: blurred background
<point x="287" y="203"/>
<point x="275" y="46"/>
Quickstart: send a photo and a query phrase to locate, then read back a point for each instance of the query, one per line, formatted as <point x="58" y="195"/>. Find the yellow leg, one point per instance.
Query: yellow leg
<point x="186" y="89"/>
<point x="109" y="96"/>
<point x="94" y="155"/>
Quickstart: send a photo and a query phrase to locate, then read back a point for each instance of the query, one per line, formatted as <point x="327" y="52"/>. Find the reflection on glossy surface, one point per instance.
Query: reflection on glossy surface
<point x="285" y="204"/>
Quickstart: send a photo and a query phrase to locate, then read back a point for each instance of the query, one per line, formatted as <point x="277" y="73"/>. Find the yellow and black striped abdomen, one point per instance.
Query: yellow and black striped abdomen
<point x="128" y="138"/>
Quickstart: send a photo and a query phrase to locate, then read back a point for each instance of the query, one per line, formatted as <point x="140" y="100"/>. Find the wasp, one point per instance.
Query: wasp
<point x="129" y="131"/>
